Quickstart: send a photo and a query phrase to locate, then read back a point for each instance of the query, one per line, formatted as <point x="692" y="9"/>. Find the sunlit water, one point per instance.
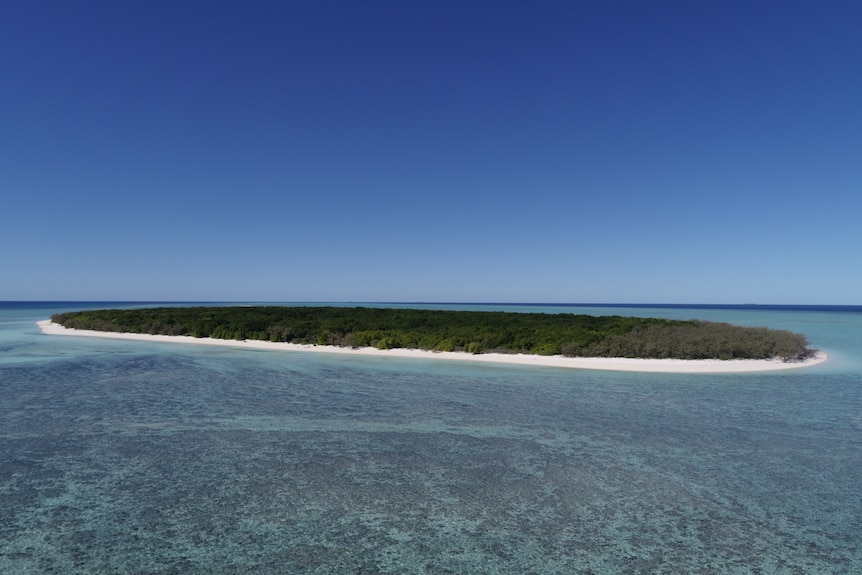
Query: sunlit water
<point x="132" y="457"/>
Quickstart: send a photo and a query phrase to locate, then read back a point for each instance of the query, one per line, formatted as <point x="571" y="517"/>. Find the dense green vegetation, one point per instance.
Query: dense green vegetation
<point x="441" y="330"/>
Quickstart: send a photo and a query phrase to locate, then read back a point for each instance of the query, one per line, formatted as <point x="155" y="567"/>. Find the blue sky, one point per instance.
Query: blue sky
<point x="629" y="152"/>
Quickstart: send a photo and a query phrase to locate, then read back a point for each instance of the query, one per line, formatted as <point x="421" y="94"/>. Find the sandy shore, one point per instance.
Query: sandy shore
<point x="603" y="363"/>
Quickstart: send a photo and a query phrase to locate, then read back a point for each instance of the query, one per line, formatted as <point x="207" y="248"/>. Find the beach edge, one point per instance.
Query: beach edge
<point x="48" y="327"/>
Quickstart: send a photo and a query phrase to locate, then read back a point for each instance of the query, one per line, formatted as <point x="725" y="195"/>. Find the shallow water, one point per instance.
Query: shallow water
<point x="137" y="457"/>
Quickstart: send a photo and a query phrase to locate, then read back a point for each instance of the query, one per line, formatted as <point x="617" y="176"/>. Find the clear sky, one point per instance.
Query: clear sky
<point x="590" y="151"/>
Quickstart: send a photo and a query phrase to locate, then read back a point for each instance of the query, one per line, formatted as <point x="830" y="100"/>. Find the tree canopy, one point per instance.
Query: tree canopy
<point x="446" y="330"/>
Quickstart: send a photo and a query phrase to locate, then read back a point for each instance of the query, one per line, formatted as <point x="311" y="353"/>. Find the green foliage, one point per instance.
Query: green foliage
<point x="444" y="345"/>
<point x="443" y="330"/>
<point x="545" y="348"/>
<point x="473" y="347"/>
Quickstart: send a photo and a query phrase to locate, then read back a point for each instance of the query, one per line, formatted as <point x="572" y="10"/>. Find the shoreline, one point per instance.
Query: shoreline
<point x="596" y="363"/>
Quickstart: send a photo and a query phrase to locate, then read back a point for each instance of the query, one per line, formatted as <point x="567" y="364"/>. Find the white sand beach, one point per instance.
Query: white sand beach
<point x="601" y="363"/>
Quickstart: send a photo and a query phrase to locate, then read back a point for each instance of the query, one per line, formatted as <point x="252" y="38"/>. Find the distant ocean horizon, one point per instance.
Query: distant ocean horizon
<point x="146" y="457"/>
<point x="718" y="306"/>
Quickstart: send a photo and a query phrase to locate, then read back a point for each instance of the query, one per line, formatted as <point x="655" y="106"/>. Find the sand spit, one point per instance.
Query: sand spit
<point x="602" y="363"/>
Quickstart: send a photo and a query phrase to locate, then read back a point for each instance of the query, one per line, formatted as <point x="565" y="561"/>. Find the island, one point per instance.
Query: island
<point x="561" y="339"/>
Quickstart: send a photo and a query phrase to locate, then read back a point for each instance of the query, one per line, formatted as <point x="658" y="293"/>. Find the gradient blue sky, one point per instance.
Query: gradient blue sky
<point x="631" y="152"/>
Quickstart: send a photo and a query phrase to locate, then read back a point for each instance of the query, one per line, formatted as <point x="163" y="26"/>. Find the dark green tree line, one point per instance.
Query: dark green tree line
<point x="446" y="330"/>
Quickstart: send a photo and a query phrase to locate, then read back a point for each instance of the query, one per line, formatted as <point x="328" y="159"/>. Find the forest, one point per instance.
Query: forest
<point x="445" y="330"/>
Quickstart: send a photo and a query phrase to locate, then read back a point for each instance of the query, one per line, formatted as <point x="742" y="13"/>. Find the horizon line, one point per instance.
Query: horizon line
<point x="441" y="302"/>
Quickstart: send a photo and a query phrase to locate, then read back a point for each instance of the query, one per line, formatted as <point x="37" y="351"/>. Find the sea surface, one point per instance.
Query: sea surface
<point x="155" y="458"/>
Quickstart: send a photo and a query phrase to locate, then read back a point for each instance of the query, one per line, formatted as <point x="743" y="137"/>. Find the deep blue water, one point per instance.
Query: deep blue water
<point x="135" y="457"/>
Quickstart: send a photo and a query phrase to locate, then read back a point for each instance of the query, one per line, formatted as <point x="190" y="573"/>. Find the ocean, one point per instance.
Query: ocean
<point x="153" y="458"/>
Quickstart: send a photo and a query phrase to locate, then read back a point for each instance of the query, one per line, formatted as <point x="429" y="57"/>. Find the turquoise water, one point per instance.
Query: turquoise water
<point x="134" y="457"/>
